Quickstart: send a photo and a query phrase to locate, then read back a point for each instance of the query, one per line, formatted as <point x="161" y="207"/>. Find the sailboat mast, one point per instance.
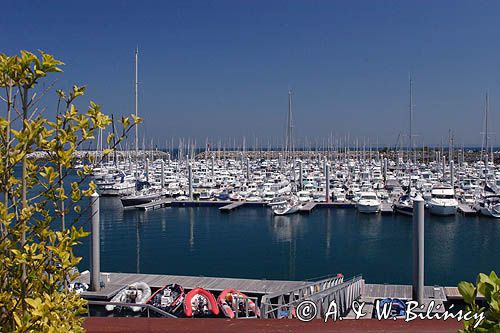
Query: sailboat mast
<point x="289" y="131"/>
<point x="411" y="120"/>
<point x="136" y="104"/>
<point x="486" y="131"/>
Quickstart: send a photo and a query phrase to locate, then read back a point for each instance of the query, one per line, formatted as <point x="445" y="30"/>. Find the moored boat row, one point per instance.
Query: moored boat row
<point x="198" y="302"/>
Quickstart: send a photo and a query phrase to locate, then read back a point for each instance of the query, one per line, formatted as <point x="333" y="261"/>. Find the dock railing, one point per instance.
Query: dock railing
<point x="238" y="299"/>
<point x="144" y="307"/>
<point x="281" y="304"/>
<point x="343" y="294"/>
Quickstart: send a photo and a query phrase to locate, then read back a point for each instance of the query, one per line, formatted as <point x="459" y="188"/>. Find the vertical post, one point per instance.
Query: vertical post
<point x="301" y="175"/>
<point x="385" y="169"/>
<point x="248" y="169"/>
<point x="452" y="175"/>
<point x="444" y="165"/>
<point x="147" y="169"/>
<point x="190" y="181"/>
<point x="418" y="249"/>
<point x="327" y="180"/>
<point x="95" y="260"/>
<point x="213" y="166"/>
<point x="162" y="181"/>
<point x="129" y="165"/>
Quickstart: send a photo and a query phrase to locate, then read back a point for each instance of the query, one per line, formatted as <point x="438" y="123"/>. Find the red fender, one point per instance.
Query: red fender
<point x="212" y="303"/>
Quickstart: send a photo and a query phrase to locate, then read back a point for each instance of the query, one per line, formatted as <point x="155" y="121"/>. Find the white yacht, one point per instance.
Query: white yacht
<point x="290" y="206"/>
<point x="368" y="202"/>
<point x="442" y="200"/>
<point x="489" y="206"/>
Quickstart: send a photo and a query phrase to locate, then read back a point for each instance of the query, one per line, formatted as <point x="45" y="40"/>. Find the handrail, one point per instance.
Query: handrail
<point x="343" y="294"/>
<point x="145" y="306"/>
<point x="341" y="290"/>
<point x="335" y="280"/>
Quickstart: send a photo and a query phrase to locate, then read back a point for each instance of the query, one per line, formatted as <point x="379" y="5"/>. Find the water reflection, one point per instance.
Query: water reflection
<point x="191" y="229"/>
<point x="292" y="247"/>
<point x="328" y="232"/>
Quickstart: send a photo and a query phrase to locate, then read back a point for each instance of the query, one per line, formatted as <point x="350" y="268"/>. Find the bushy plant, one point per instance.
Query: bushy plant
<point x="36" y="247"/>
<point x="489" y="287"/>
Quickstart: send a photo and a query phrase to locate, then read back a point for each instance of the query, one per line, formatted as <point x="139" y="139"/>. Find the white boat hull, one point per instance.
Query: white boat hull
<point x="442" y="210"/>
<point x="368" y="209"/>
<point x="490" y="212"/>
<point x="287" y="211"/>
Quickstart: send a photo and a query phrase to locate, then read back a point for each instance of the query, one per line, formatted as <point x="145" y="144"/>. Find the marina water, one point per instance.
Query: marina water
<point x="250" y="242"/>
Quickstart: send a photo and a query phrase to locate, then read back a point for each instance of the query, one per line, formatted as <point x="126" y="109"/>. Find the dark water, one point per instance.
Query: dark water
<point x="252" y="243"/>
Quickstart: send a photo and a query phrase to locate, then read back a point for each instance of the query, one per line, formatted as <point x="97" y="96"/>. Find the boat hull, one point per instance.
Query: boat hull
<point x="287" y="211"/>
<point x="368" y="209"/>
<point x="139" y="200"/>
<point x="442" y="210"/>
<point x="489" y="212"/>
<point x="138" y="292"/>
<point x="223" y="300"/>
<point x="403" y="209"/>
<point x="192" y="303"/>
<point x="171" y="303"/>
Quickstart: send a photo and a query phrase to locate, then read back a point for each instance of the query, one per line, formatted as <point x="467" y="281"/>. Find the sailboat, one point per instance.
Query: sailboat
<point x="144" y="193"/>
<point x="290" y="205"/>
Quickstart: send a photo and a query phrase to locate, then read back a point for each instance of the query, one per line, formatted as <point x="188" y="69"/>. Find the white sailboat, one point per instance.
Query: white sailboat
<point x="290" y="206"/>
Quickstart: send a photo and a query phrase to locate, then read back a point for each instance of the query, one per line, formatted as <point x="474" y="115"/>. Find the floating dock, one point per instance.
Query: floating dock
<point x="404" y="292"/>
<point x="116" y="281"/>
<point x="231" y="206"/>
<point x="155" y="204"/>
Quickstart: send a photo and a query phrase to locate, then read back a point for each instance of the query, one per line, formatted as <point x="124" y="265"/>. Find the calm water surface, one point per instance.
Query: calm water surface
<point x="252" y="243"/>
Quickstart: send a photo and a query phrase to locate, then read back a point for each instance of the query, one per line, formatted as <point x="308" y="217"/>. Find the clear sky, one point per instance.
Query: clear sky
<point x="222" y="69"/>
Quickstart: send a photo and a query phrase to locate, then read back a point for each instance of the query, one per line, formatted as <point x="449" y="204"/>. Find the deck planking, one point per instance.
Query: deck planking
<point x="250" y="286"/>
<point x="231" y="206"/>
<point x="154" y="204"/>
<point x="402" y="291"/>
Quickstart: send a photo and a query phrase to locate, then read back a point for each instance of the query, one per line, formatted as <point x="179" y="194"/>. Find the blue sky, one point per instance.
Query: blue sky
<point x="222" y="69"/>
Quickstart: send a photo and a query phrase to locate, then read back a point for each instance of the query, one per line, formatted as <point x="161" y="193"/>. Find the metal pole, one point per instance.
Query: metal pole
<point x="190" y="180"/>
<point x="95" y="261"/>
<point x="385" y="169"/>
<point x="248" y="169"/>
<point x="213" y="166"/>
<point x="147" y="169"/>
<point x="452" y="175"/>
<point x="418" y="249"/>
<point x="301" y="175"/>
<point x="444" y="165"/>
<point x="162" y="174"/>
<point x="327" y="180"/>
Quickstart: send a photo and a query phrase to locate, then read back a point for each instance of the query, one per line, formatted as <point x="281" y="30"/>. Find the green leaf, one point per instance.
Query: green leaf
<point x="468" y="291"/>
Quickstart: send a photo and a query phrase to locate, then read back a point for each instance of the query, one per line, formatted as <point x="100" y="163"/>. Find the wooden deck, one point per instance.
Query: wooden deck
<point x="154" y="204"/>
<point x="402" y="291"/>
<point x="452" y="293"/>
<point x="231" y="206"/>
<point x="250" y="286"/>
